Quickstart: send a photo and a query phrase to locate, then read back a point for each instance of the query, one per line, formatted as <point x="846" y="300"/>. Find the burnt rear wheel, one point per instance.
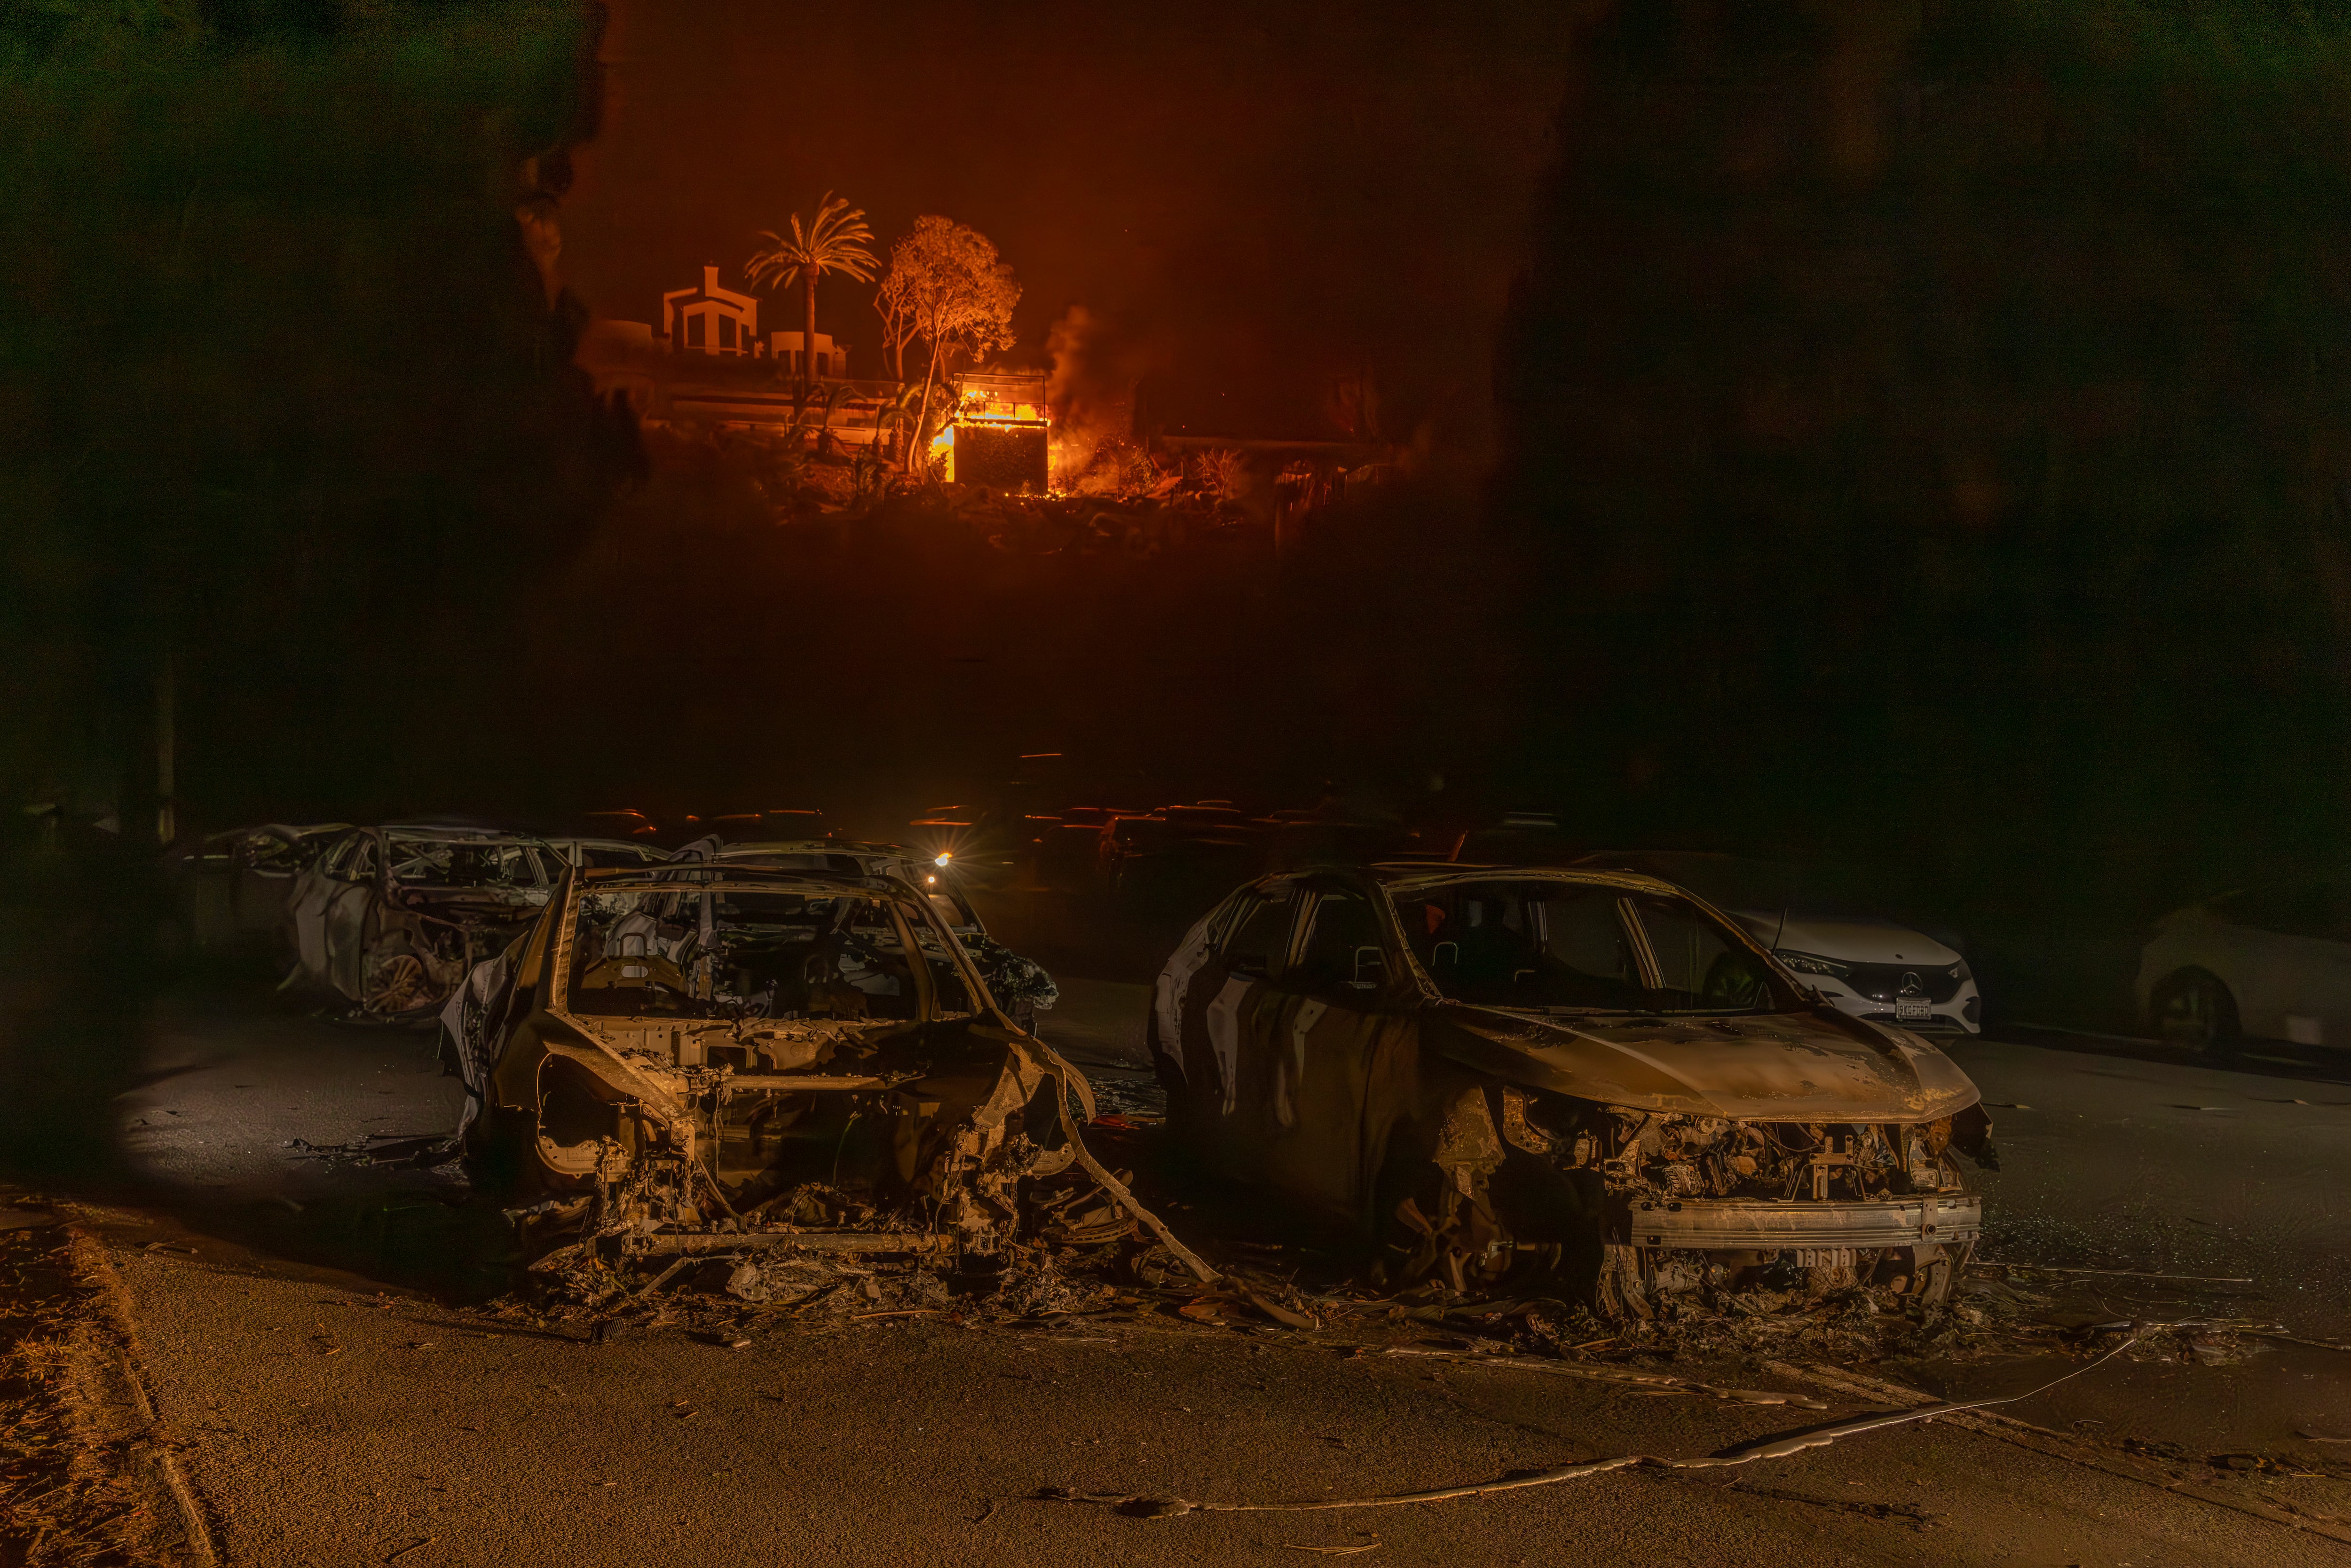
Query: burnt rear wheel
<point x="393" y="983"/>
<point x="2195" y="1009"/>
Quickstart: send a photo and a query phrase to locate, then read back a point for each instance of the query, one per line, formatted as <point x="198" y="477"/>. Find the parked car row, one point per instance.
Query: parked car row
<point x="391" y="919"/>
<point x="1134" y="849"/>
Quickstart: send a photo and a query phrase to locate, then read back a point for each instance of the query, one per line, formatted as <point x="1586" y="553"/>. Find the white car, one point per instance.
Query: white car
<point x="2271" y="963"/>
<point x="1860" y="963"/>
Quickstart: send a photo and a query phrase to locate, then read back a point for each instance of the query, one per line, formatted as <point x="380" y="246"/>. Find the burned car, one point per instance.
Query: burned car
<point x="391" y="919"/>
<point x="719" y="1058"/>
<point x="1587" y="1074"/>
<point x="233" y="887"/>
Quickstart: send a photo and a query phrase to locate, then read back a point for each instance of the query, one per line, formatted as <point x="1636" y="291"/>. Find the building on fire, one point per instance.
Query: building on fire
<point x="1001" y="432"/>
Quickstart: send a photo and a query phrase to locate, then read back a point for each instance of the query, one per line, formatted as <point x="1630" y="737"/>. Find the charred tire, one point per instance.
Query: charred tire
<point x="2194" y="1009"/>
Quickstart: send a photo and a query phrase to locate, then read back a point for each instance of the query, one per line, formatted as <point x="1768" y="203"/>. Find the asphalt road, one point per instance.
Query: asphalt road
<point x="304" y="1325"/>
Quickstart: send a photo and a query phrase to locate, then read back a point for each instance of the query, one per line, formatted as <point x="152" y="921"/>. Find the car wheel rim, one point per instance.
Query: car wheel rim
<point x="399" y="985"/>
<point x="2189" y="1017"/>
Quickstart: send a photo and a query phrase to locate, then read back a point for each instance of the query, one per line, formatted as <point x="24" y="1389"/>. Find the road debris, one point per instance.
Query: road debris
<point x="1139" y="1506"/>
<point x="1647" y="1380"/>
<point x="2123" y="1273"/>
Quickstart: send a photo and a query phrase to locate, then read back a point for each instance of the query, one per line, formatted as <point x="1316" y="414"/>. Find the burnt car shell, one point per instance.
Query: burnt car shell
<point x="392" y="918"/>
<point x="704" y="1056"/>
<point x="1638" y="1150"/>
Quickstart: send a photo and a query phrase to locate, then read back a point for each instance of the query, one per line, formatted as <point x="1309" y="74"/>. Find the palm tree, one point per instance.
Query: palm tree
<point x="835" y="240"/>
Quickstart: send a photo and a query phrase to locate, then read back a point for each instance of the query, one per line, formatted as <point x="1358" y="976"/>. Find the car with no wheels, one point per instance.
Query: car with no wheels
<point x="1586" y="1076"/>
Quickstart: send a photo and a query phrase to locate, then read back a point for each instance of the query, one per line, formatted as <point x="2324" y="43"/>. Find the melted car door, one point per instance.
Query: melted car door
<point x="305" y="912"/>
<point x="346" y="922"/>
<point x="1217" y="1006"/>
<point x="1332" y="1057"/>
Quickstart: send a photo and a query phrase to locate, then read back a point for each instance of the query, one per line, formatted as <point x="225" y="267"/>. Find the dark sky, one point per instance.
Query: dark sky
<point x="1253" y="195"/>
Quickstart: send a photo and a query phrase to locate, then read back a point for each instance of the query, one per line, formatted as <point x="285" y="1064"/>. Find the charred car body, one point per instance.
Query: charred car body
<point x="707" y="1058"/>
<point x="392" y="919"/>
<point x="1588" y="1074"/>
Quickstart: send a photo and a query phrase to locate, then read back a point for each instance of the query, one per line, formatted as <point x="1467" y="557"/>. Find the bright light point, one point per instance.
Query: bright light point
<point x="942" y="860"/>
<point x="930" y="879"/>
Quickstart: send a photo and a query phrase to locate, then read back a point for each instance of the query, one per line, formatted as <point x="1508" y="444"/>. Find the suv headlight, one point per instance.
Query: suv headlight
<point x="1812" y="964"/>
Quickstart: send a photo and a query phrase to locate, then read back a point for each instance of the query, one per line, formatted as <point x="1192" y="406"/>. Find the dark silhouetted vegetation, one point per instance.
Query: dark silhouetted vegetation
<point x="1937" y="425"/>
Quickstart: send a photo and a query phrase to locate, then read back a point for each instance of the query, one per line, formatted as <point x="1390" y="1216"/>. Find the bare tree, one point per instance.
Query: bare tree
<point x="1223" y="473"/>
<point x="835" y="240"/>
<point x="958" y="296"/>
<point x="894" y="302"/>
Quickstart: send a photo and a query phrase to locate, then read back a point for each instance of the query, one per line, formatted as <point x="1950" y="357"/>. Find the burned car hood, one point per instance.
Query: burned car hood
<point x="1764" y="1067"/>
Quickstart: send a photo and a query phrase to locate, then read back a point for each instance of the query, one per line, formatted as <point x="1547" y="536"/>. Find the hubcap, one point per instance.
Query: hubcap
<point x="2189" y="1017"/>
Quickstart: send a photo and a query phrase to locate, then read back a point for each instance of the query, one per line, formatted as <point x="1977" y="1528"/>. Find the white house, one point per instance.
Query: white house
<point x="832" y="358"/>
<point x="711" y="319"/>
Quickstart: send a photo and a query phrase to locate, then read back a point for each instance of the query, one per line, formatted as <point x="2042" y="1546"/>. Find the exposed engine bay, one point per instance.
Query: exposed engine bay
<point x="1686" y="1203"/>
<point x="702" y="1060"/>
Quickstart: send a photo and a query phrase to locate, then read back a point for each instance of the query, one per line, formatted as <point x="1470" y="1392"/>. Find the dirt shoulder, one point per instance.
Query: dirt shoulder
<point x="87" y="1474"/>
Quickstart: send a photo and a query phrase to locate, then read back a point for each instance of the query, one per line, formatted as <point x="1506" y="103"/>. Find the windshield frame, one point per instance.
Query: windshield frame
<point x="1790" y="995"/>
<point x="698" y="877"/>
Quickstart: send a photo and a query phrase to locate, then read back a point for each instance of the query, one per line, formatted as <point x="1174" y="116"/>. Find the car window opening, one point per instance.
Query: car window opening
<point x="1343" y="945"/>
<point x="1534" y="943"/>
<point x="727" y="952"/>
<point x="1256" y="943"/>
<point x="455" y="863"/>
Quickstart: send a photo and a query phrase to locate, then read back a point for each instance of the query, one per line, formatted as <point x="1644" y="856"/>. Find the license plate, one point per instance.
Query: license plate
<point x="1908" y="1011"/>
<point x="1823" y="1257"/>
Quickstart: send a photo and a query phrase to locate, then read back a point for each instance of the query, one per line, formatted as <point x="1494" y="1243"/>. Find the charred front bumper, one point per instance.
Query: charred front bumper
<point x="1818" y="1233"/>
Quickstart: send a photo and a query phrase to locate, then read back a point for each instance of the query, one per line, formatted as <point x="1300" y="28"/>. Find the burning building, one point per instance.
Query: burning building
<point x="1001" y="433"/>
